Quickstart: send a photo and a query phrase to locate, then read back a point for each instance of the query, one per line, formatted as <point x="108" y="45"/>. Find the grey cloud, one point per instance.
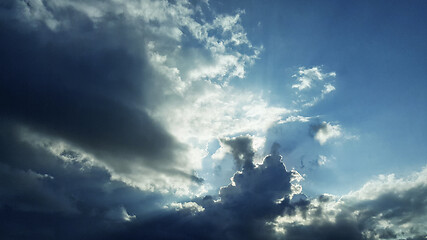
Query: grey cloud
<point x="256" y="196"/>
<point x="392" y="214"/>
<point x="43" y="197"/>
<point x="324" y="131"/>
<point x="86" y="86"/>
<point x="241" y="148"/>
<point x="315" y="127"/>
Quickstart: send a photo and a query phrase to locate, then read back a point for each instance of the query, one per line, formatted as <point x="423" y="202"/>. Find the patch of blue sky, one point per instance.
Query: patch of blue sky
<point x="378" y="53"/>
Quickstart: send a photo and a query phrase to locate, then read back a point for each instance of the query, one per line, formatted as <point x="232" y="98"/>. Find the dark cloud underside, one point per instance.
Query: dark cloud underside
<point x="84" y="86"/>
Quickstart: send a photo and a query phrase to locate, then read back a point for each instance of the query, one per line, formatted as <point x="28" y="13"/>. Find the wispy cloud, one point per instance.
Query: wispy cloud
<point x="308" y="77"/>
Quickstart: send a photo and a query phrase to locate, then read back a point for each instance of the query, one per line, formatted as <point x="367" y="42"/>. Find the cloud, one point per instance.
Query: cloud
<point x="295" y="119"/>
<point x="241" y="148"/>
<point x="306" y="77"/>
<point x="120" y="214"/>
<point x="255" y="196"/>
<point x="78" y="85"/>
<point x="186" y="206"/>
<point x="105" y="78"/>
<point x="322" y="160"/>
<point x="313" y="85"/>
<point x="43" y="196"/>
<point x="108" y="115"/>
<point x="262" y="201"/>
<point x="328" y="88"/>
<point x="110" y="107"/>
<point x="384" y="208"/>
<point x="325" y="131"/>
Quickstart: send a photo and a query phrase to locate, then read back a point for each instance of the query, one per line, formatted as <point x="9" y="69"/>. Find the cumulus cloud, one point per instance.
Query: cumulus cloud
<point x="328" y="88"/>
<point x="262" y="201"/>
<point x="107" y="113"/>
<point x="325" y="131"/>
<point x="256" y="195"/>
<point x="384" y="208"/>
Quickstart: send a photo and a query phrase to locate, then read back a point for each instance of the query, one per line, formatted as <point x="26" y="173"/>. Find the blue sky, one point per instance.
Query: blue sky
<point x="377" y="50"/>
<point x="182" y="119"/>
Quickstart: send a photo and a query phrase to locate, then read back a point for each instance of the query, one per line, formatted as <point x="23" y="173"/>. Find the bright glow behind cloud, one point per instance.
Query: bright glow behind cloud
<point x="190" y="95"/>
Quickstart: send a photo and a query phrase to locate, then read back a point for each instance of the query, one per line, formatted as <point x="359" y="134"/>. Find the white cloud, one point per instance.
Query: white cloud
<point x="306" y="77"/>
<point x="322" y="160"/>
<point x="385" y="184"/>
<point x="326" y="131"/>
<point x="328" y="88"/>
<point x="120" y="214"/>
<point x="186" y="206"/>
<point x="294" y="119"/>
<point x="313" y="85"/>
<point x="387" y="204"/>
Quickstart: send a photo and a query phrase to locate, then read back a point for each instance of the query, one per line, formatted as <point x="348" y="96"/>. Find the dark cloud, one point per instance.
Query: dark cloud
<point x="256" y="196"/>
<point x="85" y="84"/>
<point x="43" y="197"/>
<point x="296" y="143"/>
<point x="396" y="213"/>
<point x="241" y="148"/>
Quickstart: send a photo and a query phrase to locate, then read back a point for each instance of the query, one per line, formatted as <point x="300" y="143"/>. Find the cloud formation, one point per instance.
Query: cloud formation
<point x="256" y="195"/>
<point x="112" y="81"/>
<point x="324" y="131"/>
<point x="44" y="196"/>
<point x="306" y="77"/>
<point x="312" y="85"/>
<point x="109" y="108"/>
<point x="384" y="208"/>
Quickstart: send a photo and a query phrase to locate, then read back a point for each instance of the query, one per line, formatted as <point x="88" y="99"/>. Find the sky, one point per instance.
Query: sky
<point x="197" y="119"/>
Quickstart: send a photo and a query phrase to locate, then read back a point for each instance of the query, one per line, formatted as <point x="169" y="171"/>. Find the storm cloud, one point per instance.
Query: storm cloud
<point x="84" y="86"/>
<point x="42" y="196"/>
